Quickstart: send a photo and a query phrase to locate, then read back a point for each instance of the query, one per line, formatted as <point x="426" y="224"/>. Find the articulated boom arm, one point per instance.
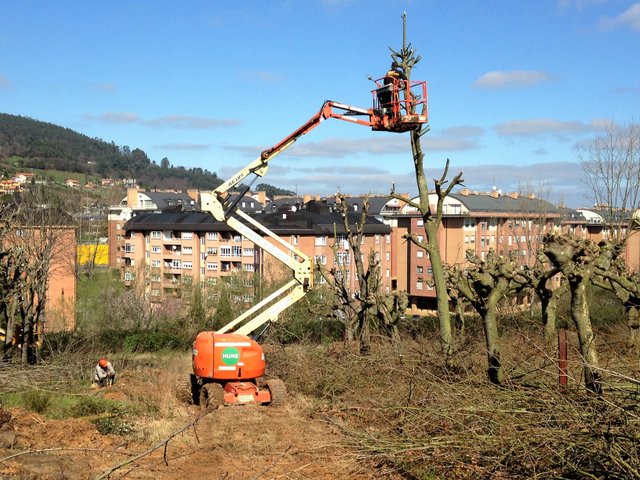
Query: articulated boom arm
<point x="301" y="265"/>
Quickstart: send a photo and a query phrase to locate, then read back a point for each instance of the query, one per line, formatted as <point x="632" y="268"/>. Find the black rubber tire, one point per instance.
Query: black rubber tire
<point x="278" y="392"/>
<point x="183" y="392"/>
<point x="211" y="395"/>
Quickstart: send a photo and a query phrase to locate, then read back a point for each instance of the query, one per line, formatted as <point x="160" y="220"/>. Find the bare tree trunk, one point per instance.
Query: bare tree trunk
<point x="442" y="297"/>
<point x="633" y="322"/>
<point x="582" y="321"/>
<point x="495" y="371"/>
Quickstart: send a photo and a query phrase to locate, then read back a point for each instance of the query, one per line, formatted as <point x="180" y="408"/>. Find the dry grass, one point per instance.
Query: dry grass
<point x="400" y="407"/>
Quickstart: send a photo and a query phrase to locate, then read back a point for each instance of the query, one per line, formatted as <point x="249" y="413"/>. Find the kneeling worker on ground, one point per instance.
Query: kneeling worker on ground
<point x="104" y="374"/>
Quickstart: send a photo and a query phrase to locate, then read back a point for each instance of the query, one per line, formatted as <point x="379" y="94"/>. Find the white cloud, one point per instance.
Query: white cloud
<point x="341" y="148"/>
<point x="514" y="78"/>
<point x="579" y="4"/>
<point x="113" y="117"/>
<point x="4" y="81"/>
<point x="168" y="121"/>
<point x="544" y="127"/>
<point x="564" y="185"/>
<point x="261" y="75"/>
<point x="183" y="146"/>
<point x="629" y="18"/>
<point x="189" y="122"/>
<point x="463" y="131"/>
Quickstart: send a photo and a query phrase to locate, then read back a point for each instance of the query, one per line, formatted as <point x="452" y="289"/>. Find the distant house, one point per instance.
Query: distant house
<point x="107" y="182"/>
<point x="23" y="177"/>
<point x="10" y="186"/>
<point x="71" y="183"/>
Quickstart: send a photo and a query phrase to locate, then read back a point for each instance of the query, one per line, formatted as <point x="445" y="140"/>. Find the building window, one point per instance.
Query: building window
<point x="212" y="266"/>
<point x="155" y="263"/>
<point x="128" y="276"/>
<point x="420" y="254"/>
<point x="321" y="259"/>
<point x="419" y="269"/>
<point x="212" y="251"/>
<point x="186" y="235"/>
<point x="187" y="250"/>
<point x="236" y="251"/>
<point x="212" y="235"/>
<point x="419" y="285"/>
<point x="128" y="248"/>
<point x="420" y="222"/>
<point x="176" y="264"/>
<point x="294" y="239"/>
<point x="321" y="241"/>
<point x="187" y="265"/>
<point x="248" y="267"/>
<point x="388" y="239"/>
<point x="343" y="258"/>
<point x="147" y="239"/>
<point x="421" y="238"/>
<point x="156" y="235"/>
<point x="247" y="252"/>
<point x="377" y="238"/>
<point x="388" y="256"/>
<point x="225" y="251"/>
<point x="237" y="238"/>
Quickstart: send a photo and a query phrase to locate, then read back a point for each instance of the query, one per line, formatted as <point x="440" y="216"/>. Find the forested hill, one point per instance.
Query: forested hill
<point x="29" y="143"/>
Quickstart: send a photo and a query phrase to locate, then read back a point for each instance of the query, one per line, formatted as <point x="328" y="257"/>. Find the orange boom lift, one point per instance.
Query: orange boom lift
<point x="227" y="367"/>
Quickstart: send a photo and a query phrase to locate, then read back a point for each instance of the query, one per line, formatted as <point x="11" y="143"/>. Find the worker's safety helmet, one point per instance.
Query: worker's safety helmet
<point x="103" y="362"/>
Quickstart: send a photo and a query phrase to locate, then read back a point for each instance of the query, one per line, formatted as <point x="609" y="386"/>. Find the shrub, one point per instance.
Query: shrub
<point x="37" y="401"/>
<point x="87" y="406"/>
<point x="113" y="426"/>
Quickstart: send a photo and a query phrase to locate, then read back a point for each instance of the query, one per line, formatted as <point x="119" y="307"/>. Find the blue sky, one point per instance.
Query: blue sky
<point x="514" y="86"/>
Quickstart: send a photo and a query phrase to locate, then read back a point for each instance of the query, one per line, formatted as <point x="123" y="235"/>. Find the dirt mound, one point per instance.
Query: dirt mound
<point x="239" y="442"/>
<point x="65" y="447"/>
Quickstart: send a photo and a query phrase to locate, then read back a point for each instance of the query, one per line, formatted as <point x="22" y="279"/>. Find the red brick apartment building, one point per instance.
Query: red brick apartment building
<point x="165" y="251"/>
<point x="61" y="282"/>
<point x="480" y="222"/>
<point x="188" y="244"/>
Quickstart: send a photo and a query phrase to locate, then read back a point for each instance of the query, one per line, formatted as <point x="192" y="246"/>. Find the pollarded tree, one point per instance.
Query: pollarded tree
<point x="626" y="286"/>
<point x="432" y="215"/>
<point x="579" y="260"/>
<point x="41" y="241"/>
<point x="484" y="283"/>
<point x="539" y="276"/>
<point x="368" y="306"/>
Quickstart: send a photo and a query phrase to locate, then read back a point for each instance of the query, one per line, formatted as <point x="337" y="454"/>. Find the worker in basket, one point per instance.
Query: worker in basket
<point x="104" y="374"/>
<point x="385" y="94"/>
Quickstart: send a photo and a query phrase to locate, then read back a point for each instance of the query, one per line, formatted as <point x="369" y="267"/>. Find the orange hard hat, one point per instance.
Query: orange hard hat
<point x="103" y="362"/>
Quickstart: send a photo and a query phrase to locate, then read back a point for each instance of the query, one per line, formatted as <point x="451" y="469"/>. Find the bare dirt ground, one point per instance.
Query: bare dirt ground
<point x="242" y="442"/>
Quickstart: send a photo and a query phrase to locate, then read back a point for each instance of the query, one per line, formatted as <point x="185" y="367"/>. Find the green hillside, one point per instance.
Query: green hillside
<point x="26" y="143"/>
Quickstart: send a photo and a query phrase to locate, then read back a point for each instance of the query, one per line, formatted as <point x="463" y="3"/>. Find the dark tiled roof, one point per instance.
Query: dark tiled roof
<point x="317" y="223"/>
<point x="248" y="202"/>
<point x="302" y="222"/>
<point x="376" y="203"/>
<point x="195" y="221"/>
<point x="505" y="204"/>
<point x="166" y="199"/>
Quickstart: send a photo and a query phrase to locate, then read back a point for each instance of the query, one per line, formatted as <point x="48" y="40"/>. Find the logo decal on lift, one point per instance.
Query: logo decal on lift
<point x="230" y="356"/>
